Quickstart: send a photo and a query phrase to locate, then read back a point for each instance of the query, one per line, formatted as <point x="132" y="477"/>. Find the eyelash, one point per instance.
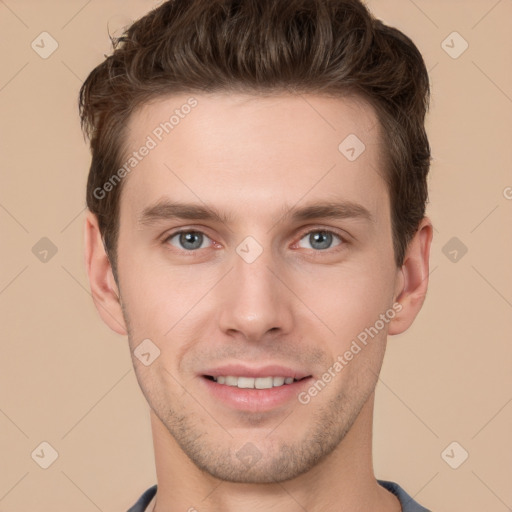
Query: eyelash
<point x="343" y="240"/>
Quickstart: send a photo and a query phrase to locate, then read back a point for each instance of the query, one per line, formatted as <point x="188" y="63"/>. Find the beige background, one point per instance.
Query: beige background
<point x="68" y="381"/>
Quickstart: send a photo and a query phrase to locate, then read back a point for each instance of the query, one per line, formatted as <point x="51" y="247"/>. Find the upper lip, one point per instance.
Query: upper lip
<point x="240" y="370"/>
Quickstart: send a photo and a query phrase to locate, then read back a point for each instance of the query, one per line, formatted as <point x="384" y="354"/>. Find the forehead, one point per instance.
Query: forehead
<point x="225" y="148"/>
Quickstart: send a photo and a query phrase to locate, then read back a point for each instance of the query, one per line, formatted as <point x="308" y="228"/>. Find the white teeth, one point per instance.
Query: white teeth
<point x="263" y="383"/>
<point x="231" y="381"/>
<point x="278" y="381"/>
<point x="253" y="382"/>
<point x="246" y="382"/>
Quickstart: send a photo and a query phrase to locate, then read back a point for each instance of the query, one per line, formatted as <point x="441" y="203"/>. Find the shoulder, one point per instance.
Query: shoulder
<point x="407" y="502"/>
<point x="144" y="500"/>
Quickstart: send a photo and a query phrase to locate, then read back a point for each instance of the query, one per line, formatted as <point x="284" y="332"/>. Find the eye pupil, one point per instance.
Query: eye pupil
<point x="322" y="238"/>
<point x="191" y="240"/>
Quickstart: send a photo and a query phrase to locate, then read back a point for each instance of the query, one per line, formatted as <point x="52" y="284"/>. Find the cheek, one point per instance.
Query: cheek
<point x="156" y="296"/>
<point x="144" y="293"/>
<point x="351" y="306"/>
<point x="348" y="298"/>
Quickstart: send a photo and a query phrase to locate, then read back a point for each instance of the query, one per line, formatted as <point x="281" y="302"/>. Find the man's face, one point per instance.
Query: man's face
<point x="261" y="291"/>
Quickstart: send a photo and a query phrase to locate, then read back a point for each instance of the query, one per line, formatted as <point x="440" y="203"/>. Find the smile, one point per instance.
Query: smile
<point x="252" y="382"/>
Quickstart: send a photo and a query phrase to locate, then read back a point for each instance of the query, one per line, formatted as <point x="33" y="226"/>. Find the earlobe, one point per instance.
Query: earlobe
<point x="412" y="284"/>
<point x="104" y="290"/>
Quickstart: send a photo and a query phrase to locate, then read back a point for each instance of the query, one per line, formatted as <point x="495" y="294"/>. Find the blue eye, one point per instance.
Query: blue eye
<point x="320" y="240"/>
<point x="188" y="240"/>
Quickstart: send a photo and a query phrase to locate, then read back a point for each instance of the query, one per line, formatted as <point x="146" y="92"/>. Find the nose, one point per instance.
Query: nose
<point x="255" y="301"/>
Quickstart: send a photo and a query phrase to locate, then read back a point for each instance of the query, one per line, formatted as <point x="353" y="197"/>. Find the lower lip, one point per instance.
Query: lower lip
<point x="255" y="400"/>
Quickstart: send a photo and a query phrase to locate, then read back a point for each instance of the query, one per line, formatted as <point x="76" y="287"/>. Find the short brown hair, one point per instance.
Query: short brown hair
<point x="331" y="47"/>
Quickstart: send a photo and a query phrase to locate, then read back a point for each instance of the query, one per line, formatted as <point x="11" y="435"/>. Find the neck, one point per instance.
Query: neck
<point x="343" y="481"/>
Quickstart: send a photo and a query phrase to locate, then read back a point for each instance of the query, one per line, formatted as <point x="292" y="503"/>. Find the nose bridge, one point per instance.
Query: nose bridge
<point x="254" y="300"/>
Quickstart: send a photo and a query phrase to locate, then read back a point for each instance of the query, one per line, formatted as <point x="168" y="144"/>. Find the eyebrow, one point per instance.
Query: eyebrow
<point x="168" y="210"/>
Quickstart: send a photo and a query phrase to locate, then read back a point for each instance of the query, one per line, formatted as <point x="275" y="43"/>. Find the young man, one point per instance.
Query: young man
<point x="256" y="227"/>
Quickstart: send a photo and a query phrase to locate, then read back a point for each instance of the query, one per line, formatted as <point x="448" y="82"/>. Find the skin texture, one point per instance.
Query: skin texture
<point x="253" y="158"/>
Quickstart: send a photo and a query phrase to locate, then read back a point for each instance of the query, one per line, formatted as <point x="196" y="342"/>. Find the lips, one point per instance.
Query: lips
<point x="254" y="389"/>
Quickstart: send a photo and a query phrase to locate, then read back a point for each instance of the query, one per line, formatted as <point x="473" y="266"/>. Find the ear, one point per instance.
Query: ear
<point x="105" y="292"/>
<point x="412" y="283"/>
